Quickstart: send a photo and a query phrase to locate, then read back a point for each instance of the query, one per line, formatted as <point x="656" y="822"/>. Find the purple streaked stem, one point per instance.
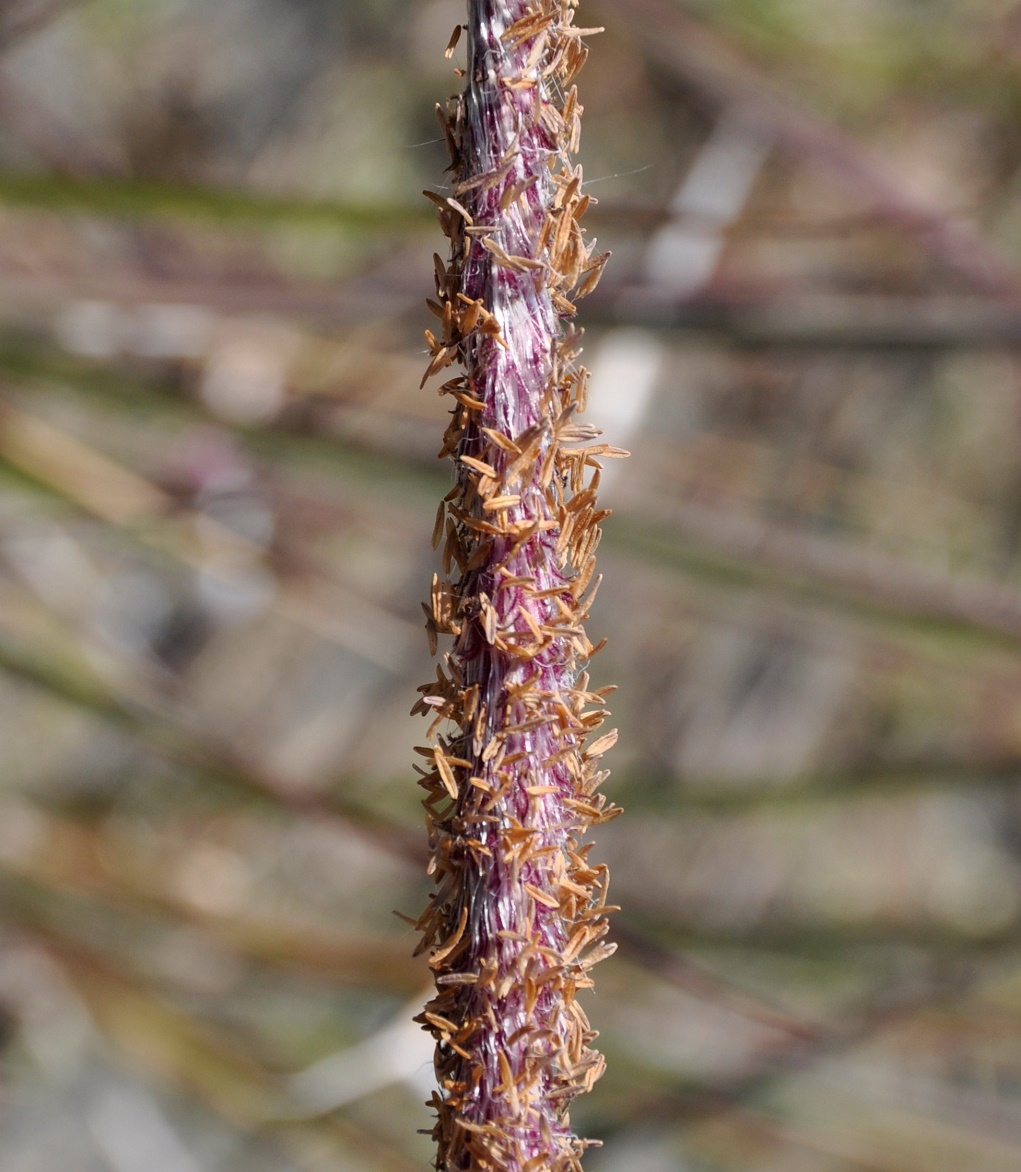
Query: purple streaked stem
<point x="517" y="918"/>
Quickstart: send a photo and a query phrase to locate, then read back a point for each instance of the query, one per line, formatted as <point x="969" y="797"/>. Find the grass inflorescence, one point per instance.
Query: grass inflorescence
<point x="518" y="917"/>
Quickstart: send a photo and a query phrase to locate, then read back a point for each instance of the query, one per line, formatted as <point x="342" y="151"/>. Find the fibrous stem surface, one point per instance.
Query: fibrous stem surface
<point x="518" y="915"/>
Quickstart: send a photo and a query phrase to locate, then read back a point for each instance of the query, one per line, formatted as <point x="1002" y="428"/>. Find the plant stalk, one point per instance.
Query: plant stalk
<point x="518" y="916"/>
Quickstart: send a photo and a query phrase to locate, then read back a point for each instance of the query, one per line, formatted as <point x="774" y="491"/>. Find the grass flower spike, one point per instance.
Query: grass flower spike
<point x="518" y="916"/>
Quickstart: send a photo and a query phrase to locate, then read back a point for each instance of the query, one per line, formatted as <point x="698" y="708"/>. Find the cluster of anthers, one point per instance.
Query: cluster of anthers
<point x="518" y="916"/>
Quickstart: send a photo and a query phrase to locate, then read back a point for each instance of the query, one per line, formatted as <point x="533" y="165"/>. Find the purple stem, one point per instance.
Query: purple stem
<point x="518" y="908"/>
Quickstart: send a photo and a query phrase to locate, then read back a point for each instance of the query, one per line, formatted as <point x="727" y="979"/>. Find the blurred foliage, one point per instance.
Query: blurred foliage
<point x="217" y="486"/>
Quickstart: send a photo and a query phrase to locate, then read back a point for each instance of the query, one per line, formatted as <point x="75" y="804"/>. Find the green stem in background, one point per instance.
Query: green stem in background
<point x="151" y="199"/>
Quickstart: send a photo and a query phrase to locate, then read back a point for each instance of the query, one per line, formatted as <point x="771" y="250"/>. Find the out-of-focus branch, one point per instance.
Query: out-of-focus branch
<point x="821" y="321"/>
<point x="144" y="199"/>
<point x="206" y="1063"/>
<point x="23" y="18"/>
<point x="683" y="971"/>
<point x="823" y="937"/>
<point x="222" y="766"/>
<point x="794" y="1053"/>
<point x="54" y="145"/>
<point x="70" y="876"/>
<point x="821" y="566"/>
<point x="121" y="497"/>
<point x="869" y="780"/>
<point x="704" y="62"/>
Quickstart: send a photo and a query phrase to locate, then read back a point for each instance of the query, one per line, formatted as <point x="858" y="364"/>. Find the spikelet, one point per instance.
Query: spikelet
<point x="518" y="917"/>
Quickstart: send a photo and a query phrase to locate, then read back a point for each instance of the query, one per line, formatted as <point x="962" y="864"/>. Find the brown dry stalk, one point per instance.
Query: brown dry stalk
<point x="518" y="916"/>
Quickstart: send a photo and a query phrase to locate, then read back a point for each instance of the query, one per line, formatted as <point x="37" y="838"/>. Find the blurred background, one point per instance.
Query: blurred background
<point x="218" y="487"/>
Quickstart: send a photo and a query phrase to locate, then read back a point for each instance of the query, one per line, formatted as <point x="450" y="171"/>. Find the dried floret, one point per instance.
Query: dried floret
<point x="519" y="915"/>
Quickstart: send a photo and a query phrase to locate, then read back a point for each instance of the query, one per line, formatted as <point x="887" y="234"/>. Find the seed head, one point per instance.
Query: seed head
<point x="518" y="917"/>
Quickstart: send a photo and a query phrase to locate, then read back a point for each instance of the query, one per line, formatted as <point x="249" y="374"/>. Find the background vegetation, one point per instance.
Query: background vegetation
<point x="218" y="486"/>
